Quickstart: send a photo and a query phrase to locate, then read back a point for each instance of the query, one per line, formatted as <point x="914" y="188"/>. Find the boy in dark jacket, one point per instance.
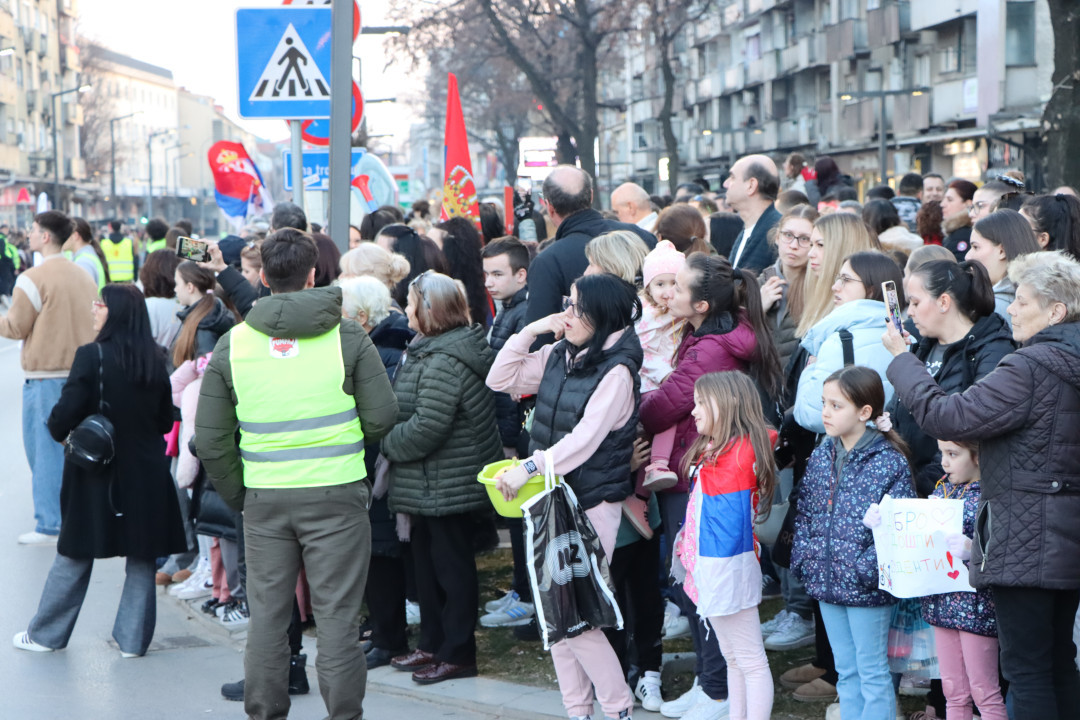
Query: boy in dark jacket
<point x="506" y="275"/>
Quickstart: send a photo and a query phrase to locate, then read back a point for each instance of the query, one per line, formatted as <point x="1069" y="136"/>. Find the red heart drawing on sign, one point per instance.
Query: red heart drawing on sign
<point x="948" y="556"/>
<point x="954" y="574"/>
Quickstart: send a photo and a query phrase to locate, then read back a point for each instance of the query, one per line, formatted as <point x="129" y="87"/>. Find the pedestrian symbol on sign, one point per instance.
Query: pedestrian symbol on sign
<point x="289" y="75"/>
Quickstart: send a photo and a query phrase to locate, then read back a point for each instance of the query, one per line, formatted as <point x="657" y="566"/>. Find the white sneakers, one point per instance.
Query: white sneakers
<point x="792" y="632"/>
<point x="510" y="612"/>
<point x="23" y="642"/>
<point x="681" y="705"/>
<point x="648" y="691"/>
<point x="35" y="538"/>
<point x="708" y="709"/>
<point x="770" y="626"/>
<point x="199" y="585"/>
<point x="675" y="624"/>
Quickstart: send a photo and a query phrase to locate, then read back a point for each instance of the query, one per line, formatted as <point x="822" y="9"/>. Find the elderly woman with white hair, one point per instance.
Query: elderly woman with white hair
<point x="1026" y="417"/>
<point x="367" y="301"/>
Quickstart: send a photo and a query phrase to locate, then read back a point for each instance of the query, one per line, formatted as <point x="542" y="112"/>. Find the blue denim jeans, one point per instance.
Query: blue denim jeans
<point x="859" y="637"/>
<point x="45" y="455"/>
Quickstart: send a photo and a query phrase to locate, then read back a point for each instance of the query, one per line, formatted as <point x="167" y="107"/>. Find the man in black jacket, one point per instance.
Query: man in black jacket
<point x="568" y="197"/>
<point x="752" y="187"/>
<point x="506" y="276"/>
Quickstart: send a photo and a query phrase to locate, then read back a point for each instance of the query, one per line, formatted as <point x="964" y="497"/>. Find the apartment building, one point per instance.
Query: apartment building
<point x="963" y="84"/>
<point x="38" y="61"/>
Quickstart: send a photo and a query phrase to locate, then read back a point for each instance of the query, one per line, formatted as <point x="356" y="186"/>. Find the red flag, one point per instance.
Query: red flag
<point x="459" y="190"/>
<point x="508" y="205"/>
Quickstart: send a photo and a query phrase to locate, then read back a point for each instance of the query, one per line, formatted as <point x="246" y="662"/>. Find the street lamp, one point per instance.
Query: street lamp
<point x="150" y="170"/>
<point x="883" y="144"/>
<point x="55" y="146"/>
<point x="112" y="155"/>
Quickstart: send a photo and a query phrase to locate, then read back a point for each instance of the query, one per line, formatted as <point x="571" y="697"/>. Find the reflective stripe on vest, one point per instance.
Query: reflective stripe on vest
<point x="121" y="259"/>
<point x="298" y="427"/>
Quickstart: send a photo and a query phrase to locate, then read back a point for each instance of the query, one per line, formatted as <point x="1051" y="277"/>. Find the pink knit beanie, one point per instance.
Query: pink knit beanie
<point x="663" y="260"/>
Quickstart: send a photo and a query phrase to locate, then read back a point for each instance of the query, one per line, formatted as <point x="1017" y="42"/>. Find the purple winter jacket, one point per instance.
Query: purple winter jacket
<point x="703" y="351"/>
<point x="969" y="612"/>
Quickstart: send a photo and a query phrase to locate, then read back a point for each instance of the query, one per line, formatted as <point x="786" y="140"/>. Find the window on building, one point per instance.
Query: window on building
<point x="948" y="52"/>
<point x="18" y="72"/>
<point x="1019" y="33"/>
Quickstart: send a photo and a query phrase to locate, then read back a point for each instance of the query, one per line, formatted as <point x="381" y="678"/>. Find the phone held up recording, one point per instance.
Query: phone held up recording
<point x="191" y="249"/>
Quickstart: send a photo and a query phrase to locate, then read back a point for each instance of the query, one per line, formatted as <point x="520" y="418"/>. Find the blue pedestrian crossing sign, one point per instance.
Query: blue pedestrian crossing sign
<point x="283" y="62"/>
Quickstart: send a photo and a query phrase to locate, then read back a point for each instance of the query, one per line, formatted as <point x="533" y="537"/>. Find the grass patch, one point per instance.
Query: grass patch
<point x="503" y="656"/>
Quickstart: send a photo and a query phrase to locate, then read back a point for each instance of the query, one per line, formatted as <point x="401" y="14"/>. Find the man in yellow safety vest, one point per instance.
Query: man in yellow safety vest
<point x="119" y="254"/>
<point x="310" y="390"/>
<point x="156" y="230"/>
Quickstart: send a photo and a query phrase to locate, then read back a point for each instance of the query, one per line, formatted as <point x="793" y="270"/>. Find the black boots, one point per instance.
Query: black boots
<point x="298" y="682"/>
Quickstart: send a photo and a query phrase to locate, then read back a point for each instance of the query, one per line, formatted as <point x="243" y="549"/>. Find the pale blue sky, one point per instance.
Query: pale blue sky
<point x="196" y="39"/>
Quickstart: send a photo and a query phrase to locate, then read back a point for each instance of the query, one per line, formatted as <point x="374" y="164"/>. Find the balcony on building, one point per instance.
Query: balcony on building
<point x="887" y="23"/>
<point x="911" y="113"/>
<point x="926" y="14"/>
<point x="858" y="119"/>
<point x="844" y="39"/>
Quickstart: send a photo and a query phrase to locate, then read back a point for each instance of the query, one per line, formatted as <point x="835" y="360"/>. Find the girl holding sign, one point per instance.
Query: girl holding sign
<point x="965" y="630"/>
<point x="833" y="552"/>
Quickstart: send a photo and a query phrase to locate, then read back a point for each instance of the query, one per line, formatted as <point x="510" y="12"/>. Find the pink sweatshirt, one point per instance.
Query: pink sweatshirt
<point x="186" y="382"/>
<point x="519" y="372"/>
<point x="657" y="332"/>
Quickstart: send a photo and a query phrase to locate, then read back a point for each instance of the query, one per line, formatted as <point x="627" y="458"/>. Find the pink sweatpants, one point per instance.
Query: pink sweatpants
<point x="750" y="683"/>
<point x="969" y="672"/>
<point x="217" y="573"/>
<point x="588" y="661"/>
<point x="662" y="445"/>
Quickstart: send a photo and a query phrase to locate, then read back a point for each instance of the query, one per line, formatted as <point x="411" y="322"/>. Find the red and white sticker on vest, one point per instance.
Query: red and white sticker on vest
<point x="284" y="347"/>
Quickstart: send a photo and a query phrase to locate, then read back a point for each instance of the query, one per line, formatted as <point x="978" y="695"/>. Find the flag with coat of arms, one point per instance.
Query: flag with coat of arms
<point x="459" y="189"/>
<point x="238" y="185"/>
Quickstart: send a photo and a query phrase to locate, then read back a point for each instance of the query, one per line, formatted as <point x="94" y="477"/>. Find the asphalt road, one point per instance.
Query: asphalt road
<point x="181" y="675"/>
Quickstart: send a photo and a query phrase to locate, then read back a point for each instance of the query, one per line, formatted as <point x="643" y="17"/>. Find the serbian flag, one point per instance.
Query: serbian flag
<point x="238" y="185"/>
<point x="459" y="190"/>
<point x="724" y="574"/>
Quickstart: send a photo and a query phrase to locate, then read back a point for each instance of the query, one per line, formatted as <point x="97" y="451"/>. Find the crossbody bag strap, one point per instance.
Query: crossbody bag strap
<point x="847" y="343"/>
<point x="101" y="379"/>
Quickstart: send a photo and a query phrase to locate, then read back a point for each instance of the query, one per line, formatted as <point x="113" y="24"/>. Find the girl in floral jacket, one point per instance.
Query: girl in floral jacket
<point x="964" y="627"/>
<point x="833" y="552"/>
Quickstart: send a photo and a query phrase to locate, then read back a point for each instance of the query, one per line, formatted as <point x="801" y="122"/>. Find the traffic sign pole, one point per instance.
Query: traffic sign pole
<point x="341" y="44"/>
<point x="297" y="163"/>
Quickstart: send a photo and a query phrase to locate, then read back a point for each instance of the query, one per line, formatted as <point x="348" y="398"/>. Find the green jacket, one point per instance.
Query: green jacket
<point x="446" y="431"/>
<point x="307" y="313"/>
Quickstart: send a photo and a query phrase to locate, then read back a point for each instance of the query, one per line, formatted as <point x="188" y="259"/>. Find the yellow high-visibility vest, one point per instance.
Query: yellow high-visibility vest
<point x="298" y="428"/>
<point x="121" y="259"/>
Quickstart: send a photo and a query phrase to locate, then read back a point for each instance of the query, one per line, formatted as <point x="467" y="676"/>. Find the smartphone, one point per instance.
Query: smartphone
<point x="892" y="304"/>
<point x="191" y="249"/>
<point x="524" y="186"/>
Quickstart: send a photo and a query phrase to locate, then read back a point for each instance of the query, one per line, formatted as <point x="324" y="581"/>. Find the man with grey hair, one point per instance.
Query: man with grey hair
<point x="568" y="197"/>
<point x="752" y="187"/>
<point x="633" y="205"/>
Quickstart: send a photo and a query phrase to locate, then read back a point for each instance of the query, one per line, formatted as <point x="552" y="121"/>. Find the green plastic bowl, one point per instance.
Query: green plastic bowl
<point x="534" y="486"/>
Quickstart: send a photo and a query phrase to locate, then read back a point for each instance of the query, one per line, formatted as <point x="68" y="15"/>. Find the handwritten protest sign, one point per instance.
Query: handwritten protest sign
<point x="913" y="558"/>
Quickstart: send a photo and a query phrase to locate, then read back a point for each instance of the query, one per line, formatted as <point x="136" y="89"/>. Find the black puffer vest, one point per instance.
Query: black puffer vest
<point x="560" y="404"/>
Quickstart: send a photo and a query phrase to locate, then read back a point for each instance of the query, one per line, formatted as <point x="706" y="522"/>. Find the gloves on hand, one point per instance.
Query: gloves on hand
<point x="959" y="545"/>
<point x="872" y="518"/>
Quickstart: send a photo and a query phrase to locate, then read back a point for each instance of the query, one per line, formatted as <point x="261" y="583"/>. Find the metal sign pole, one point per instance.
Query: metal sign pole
<point x="340" y="121"/>
<point x="297" y="163"/>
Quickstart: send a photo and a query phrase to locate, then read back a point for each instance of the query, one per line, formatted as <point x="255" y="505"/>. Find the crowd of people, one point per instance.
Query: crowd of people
<point x="298" y="433"/>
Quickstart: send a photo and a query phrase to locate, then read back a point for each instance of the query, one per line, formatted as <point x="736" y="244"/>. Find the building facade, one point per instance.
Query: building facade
<point x="963" y="84"/>
<point x="38" y="61"/>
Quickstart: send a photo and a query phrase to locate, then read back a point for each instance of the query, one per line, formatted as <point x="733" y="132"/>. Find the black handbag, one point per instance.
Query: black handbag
<point x="92" y="444"/>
